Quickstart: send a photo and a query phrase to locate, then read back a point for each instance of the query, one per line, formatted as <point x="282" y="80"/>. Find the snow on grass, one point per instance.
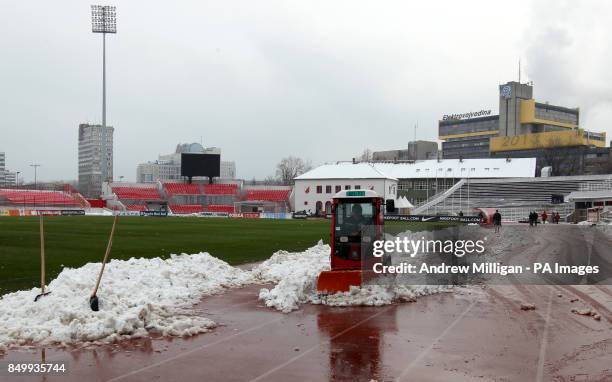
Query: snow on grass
<point x="137" y="297"/>
<point x="295" y="275"/>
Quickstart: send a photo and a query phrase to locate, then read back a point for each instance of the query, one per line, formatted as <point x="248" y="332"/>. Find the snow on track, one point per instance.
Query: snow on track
<point x="295" y="275"/>
<point x="137" y="297"/>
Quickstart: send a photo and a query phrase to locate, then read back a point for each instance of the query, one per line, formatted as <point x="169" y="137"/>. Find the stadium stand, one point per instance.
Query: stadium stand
<point x="136" y="193"/>
<point x="186" y="209"/>
<point x="182" y="189"/>
<point x="514" y="197"/>
<point x="267" y="195"/>
<point x="220" y="189"/>
<point x="220" y="208"/>
<point x="135" y="207"/>
<point x="184" y="198"/>
<point x="38" y="198"/>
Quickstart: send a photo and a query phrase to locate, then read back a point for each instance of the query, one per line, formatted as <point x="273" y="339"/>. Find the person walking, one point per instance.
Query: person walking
<point x="557" y="218"/>
<point x="497" y="221"/>
<point x="544" y="217"/>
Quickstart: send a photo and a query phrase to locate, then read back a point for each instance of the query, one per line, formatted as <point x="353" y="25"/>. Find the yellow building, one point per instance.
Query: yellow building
<point x="523" y="128"/>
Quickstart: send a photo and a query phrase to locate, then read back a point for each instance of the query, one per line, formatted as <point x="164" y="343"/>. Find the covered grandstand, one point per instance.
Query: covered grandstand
<point x="41" y="197"/>
<point x="272" y="199"/>
<point x="126" y="196"/>
<point x="194" y="198"/>
<point x="513" y="197"/>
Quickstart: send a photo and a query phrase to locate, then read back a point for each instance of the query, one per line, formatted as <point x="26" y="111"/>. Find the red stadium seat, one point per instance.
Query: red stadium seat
<point x="136" y="207"/>
<point x="38" y="197"/>
<point x="220" y="189"/>
<point x="220" y="208"/>
<point x="136" y="193"/>
<point x="186" y="208"/>
<point x="267" y="195"/>
<point x="182" y="189"/>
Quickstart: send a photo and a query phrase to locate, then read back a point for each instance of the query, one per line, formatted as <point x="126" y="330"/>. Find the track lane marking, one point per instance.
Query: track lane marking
<point x="544" y="343"/>
<point x="434" y="342"/>
<point x="196" y="349"/>
<point x="318" y="345"/>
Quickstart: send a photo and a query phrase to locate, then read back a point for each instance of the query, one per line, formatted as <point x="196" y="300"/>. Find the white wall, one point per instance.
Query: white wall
<point x="383" y="187"/>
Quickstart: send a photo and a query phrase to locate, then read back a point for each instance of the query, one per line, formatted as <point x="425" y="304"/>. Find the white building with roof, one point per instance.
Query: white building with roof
<point x="417" y="181"/>
<point x="314" y="190"/>
<point x="461" y="169"/>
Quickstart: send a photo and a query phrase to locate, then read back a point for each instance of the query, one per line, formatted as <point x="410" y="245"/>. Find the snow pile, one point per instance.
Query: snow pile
<point x="295" y="275"/>
<point x="137" y="297"/>
<point x="379" y="295"/>
<point x="367" y="295"/>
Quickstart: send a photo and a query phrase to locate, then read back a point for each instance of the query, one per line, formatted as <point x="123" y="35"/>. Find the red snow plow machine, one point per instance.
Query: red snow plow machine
<point x="357" y="221"/>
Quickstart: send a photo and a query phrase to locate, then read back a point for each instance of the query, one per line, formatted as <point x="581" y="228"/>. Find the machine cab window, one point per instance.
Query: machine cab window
<point x="351" y="217"/>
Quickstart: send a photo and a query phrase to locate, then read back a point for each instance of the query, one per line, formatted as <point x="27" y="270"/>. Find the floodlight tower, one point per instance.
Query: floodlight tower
<point x="36" y="166"/>
<point x="104" y="20"/>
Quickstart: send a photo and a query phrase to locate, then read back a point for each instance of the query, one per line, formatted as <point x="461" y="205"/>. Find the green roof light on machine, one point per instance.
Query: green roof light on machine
<point x="355" y="193"/>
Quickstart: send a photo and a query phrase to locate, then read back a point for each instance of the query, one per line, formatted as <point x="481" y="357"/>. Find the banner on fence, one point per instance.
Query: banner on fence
<point x="275" y="215"/>
<point x="432" y="218"/>
<point x="127" y="213"/>
<point x="207" y="214"/>
<point x="245" y="215"/>
<point x="72" y="212"/>
<point x="154" y="213"/>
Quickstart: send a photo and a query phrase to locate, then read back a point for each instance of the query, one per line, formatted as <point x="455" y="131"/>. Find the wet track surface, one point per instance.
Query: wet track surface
<point x="472" y="334"/>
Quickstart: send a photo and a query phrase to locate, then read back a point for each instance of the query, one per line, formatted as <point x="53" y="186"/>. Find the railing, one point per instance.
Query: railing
<point x="431" y="197"/>
<point x="604" y="185"/>
<point x="437" y="199"/>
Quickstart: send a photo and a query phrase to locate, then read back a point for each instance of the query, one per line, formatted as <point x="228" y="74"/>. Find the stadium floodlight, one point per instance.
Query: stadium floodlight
<point x="104" y="20"/>
<point x="36" y="166"/>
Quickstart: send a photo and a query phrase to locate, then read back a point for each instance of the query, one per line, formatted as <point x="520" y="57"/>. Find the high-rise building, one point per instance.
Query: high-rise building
<point x="95" y="158"/>
<point x="2" y="166"/>
<point x="7" y="178"/>
<point x="523" y="128"/>
<point x="168" y="167"/>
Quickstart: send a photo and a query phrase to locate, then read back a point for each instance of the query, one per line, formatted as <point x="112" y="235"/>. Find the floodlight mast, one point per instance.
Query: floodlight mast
<point x="104" y="20"/>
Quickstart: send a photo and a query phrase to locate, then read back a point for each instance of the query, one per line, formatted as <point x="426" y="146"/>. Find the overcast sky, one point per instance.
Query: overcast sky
<point x="266" y="79"/>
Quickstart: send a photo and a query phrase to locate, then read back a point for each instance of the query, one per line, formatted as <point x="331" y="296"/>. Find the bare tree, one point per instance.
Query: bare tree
<point x="290" y="167"/>
<point x="563" y="160"/>
<point x="366" y="156"/>
<point x="270" y="180"/>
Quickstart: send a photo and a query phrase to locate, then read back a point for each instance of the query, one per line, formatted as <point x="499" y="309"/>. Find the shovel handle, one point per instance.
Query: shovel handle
<point x="42" y="255"/>
<point x="108" y="249"/>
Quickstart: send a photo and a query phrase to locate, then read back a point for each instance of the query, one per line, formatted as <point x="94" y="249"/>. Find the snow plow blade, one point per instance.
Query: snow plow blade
<point x="339" y="281"/>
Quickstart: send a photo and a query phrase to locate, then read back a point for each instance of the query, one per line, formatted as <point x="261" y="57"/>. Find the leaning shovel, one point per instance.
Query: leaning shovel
<point x="42" y="260"/>
<point x="93" y="300"/>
